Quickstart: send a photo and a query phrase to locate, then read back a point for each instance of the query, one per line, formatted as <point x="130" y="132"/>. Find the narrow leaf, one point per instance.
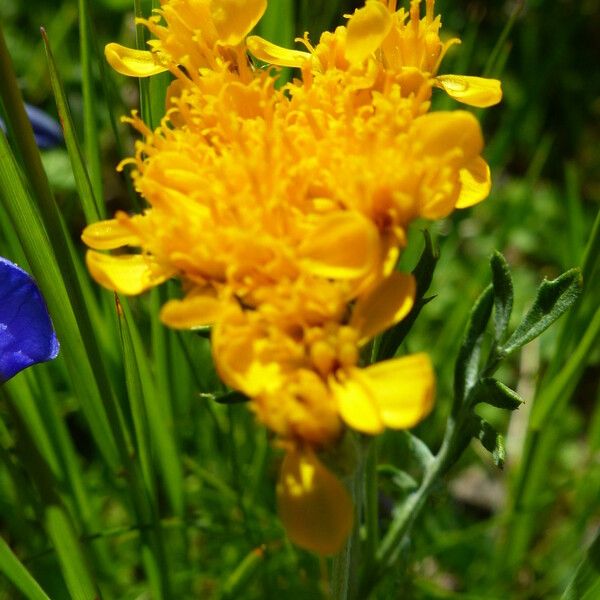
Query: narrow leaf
<point x="401" y="479"/>
<point x="467" y="363"/>
<point x="552" y="300"/>
<point x="423" y="274"/>
<point x="70" y="557"/>
<point x="12" y="568"/>
<point x="585" y="584"/>
<point x="497" y="394"/>
<point x="503" y="294"/>
<point x="490" y="439"/>
<point x="419" y="450"/>
<point x="82" y="180"/>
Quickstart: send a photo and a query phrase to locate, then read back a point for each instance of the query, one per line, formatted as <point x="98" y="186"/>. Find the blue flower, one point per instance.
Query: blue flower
<point x="46" y="130"/>
<point x="27" y="336"/>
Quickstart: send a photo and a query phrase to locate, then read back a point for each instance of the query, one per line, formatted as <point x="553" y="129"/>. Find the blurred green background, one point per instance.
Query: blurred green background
<point x="517" y="533"/>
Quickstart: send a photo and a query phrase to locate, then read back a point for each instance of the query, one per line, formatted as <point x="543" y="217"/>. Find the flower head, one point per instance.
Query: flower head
<point x="283" y="213"/>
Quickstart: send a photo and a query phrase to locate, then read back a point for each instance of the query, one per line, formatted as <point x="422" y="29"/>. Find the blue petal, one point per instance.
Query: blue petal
<point x="46" y="130"/>
<point x="27" y="336"/>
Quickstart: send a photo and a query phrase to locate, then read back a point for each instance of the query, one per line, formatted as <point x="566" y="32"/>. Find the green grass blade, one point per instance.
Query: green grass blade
<point x="90" y="122"/>
<point x="70" y="556"/>
<point x="585" y="584"/>
<point x="18" y="575"/>
<point x="160" y="421"/>
<point x="89" y="202"/>
<point x="24" y="403"/>
<point x="137" y="404"/>
<point x="70" y="329"/>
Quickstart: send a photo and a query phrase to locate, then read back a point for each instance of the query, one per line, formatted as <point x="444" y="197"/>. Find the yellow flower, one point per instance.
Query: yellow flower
<point x="283" y="213"/>
<point x="399" y="42"/>
<point x="197" y="35"/>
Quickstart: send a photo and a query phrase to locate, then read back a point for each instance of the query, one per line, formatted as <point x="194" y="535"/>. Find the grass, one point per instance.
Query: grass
<point x="120" y="476"/>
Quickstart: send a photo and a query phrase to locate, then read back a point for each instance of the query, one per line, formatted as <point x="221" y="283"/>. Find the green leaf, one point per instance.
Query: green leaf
<point x="503" y="294"/>
<point x="496" y="394"/>
<point x="82" y="180"/>
<point x="467" y="363"/>
<point x="70" y="556"/>
<point x="423" y="273"/>
<point x="18" y="575"/>
<point x="552" y="300"/>
<point x="585" y="584"/>
<point x="91" y="140"/>
<point x="236" y="583"/>
<point x="490" y="439"/>
<point x="419" y="450"/>
<point x="401" y="479"/>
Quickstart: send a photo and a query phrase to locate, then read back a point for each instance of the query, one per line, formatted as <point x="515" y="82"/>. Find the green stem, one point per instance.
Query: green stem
<point x="371" y="505"/>
<point x="344" y="575"/>
<point x="409" y="511"/>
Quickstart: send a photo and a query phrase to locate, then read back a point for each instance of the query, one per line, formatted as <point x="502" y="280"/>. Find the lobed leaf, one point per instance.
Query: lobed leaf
<point x="496" y="394"/>
<point x="552" y="300"/>
<point x="490" y="439"/>
<point x="503" y="294"/>
<point x="467" y="364"/>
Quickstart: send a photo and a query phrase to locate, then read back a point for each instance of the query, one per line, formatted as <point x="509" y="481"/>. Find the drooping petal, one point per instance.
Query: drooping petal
<point x="345" y="245"/>
<point x="130" y="62"/>
<point x="234" y="19"/>
<point x="129" y="274"/>
<point x="476" y="182"/>
<point x="356" y="403"/>
<point x="474" y="91"/>
<point x="441" y="132"/>
<point x="386" y="304"/>
<point x="189" y="313"/>
<point x="276" y="55"/>
<point x="108" y="235"/>
<point x="403" y="389"/>
<point x="313" y="504"/>
<point x="367" y="28"/>
<point x="27" y="336"/>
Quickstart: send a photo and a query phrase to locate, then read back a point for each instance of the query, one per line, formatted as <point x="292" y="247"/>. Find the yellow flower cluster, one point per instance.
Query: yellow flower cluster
<point x="283" y="213"/>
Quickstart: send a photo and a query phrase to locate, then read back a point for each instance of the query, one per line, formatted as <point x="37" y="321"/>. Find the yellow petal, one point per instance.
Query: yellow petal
<point x="356" y="403"/>
<point x="234" y="19"/>
<point x="313" y="504"/>
<point x="367" y="28"/>
<point x="276" y="55"/>
<point x="129" y="274"/>
<point x="403" y="389"/>
<point x="197" y="311"/>
<point x="108" y="235"/>
<point x="476" y="183"/>
<point x="443" y="131"/>
<point x="386" y="304"/>
<point x="344" y="245"/>
<point x="130" y="62"/>
<point x="474" y="91"/>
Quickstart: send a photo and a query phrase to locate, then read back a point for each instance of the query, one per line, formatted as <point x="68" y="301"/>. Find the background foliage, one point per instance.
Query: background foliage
<point x="119" y="473"/>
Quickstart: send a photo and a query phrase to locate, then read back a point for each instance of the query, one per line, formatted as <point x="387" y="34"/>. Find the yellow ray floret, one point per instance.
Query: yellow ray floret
<point x="396" y="393"/>
<point x="313" y="504"/>
<point x="128" y="274"/>
<point x="133" y="63"/>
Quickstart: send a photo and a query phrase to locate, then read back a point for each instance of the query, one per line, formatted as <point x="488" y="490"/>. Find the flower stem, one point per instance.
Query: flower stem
<point x="344" y="575"/>
<point x="408" y="512"/>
